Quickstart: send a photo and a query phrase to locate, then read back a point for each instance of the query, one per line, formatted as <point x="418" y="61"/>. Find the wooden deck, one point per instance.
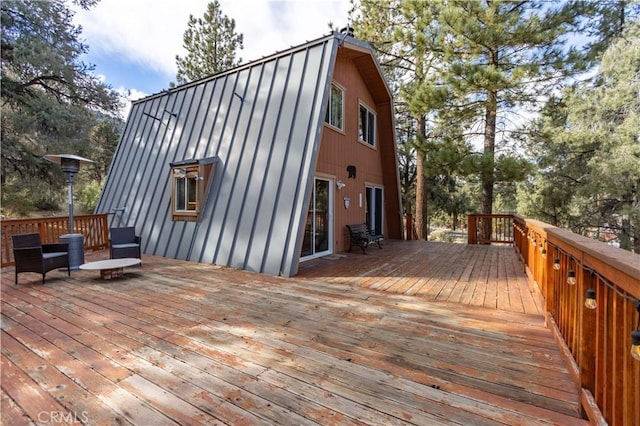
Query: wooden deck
<point x="480" y="275"/>
<point x="181" y="343"/>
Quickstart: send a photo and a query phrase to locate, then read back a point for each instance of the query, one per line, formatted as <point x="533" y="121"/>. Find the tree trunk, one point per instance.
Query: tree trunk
<point x="489" y="154"/>
<point x="491" y="111"/>
<point x="488" y="173"/>
<point x="421" y="216"/>
<point x="488" y="166"/>
<point x="625" y="236"/>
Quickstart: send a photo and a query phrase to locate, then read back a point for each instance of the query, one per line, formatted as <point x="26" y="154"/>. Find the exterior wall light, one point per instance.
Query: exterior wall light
<point x="635" y="344"/>
<point x="590" y="302"/>
<point x="635" y="336"/>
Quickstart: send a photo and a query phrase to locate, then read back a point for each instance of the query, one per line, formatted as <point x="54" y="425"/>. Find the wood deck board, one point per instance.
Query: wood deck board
<point x="489" y="276"/>
<point x="176" y="342"/>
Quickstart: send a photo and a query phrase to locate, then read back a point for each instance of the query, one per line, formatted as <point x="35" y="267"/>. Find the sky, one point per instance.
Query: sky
<point x="133" y="43"/>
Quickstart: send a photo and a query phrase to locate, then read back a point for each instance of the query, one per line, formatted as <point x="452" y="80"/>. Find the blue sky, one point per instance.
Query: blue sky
<point x="133" y="43"/>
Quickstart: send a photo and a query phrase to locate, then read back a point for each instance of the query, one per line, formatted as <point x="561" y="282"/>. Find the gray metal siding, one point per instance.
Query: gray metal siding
<point x="263" y="121"/>
<point x="300" y="165"/>
<point x="149" y="224"/>
<point x="283" y="101"/>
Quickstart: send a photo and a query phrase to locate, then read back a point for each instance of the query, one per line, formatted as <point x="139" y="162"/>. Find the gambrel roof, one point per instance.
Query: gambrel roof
<point x="261" y="123"/>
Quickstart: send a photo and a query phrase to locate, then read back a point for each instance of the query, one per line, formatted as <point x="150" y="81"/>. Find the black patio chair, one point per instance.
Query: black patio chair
<point x="31" y="255"/>
<point x="124" y="243"/>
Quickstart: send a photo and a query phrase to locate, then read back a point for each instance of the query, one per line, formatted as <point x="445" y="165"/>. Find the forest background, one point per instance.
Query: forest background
<point x="525" y="107"/>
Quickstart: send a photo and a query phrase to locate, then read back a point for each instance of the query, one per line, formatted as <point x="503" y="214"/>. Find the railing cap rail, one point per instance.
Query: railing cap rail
<point x="492" y="215"/>
<point x="590" y="252"/>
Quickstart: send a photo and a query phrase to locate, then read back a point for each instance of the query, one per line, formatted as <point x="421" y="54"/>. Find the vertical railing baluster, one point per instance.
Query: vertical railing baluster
<point x="587" y="337"/>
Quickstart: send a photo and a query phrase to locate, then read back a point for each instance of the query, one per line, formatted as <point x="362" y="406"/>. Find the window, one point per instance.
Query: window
<point x="190" y="181"/>
<point x="186" y="187"/>
<point x="334" y="108"/>
<point x="367" y="126"/>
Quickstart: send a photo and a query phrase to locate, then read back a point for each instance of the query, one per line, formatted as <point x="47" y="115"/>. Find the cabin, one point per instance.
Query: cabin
<point x="262" y="166"/>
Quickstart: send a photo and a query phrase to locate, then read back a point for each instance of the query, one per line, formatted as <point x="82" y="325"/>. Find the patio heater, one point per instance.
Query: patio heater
<point x="70" y="166"/>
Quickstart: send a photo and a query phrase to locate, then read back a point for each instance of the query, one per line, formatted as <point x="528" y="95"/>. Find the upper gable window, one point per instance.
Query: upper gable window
<point x="190" y="182"/>
<point x="367" y="125"/>
<point x="335" y="107"/>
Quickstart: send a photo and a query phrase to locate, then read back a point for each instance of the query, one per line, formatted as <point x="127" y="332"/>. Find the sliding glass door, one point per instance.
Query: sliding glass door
<point x="373" y="209"/>
<point x="318" y="230"/>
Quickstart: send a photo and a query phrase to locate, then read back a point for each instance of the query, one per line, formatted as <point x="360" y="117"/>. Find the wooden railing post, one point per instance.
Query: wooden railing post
<point x="409" y="226"/>
<point x="472" y="229"/>
<point x="490" y="229"/>
<point x="553" y="278"/>
<point x="105" y="231"/>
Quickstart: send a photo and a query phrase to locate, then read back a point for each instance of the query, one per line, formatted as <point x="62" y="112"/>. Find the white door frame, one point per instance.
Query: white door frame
<point x="377" y="203"/>
<point x="329" y="218"/>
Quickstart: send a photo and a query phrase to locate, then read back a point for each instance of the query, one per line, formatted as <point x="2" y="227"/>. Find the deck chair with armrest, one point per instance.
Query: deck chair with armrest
<point x="31" y="255"/>
<point x="124" y="243"/>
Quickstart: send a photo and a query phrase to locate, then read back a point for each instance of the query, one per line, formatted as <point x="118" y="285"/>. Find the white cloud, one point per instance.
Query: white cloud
<point x="270" y="26"/>
<point x="149" y="32"/>
<point x="145" y="32"/>
<point x="127" y="96"/>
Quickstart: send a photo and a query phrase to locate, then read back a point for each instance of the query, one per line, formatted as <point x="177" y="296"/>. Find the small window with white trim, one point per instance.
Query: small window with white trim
<point x="367" y="125"/>
<point x="335" y="107"/>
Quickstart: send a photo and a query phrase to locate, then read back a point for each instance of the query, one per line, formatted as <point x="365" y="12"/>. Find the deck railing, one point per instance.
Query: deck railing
<point x="490" y="228"/>
<point x="596" y="342"/>
<point x="93" y="227"/>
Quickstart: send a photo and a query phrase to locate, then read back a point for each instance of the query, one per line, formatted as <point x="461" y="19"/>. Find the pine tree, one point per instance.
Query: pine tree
<point x="606" y="21"/>
<point x="211" y="43"/>
<point x="500" y="55"/>
<point x="405" y="62"/>
<point x="440" y="57"/>
<point x="462" y="70"/>
<point x="50" y="98"/>
<point x="588" y="150"/>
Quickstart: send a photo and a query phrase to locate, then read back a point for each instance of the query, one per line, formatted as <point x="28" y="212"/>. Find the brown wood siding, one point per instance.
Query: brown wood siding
<point x="338" y="149"/>
<point x="392" y="207"/>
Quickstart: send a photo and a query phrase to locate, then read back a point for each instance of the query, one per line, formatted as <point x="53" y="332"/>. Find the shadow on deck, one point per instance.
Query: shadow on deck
<point x="174" y="342"/>
<point x="490" y="276"/>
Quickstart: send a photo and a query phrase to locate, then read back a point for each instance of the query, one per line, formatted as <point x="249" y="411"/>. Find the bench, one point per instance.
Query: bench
<point x="362" y="237"/>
